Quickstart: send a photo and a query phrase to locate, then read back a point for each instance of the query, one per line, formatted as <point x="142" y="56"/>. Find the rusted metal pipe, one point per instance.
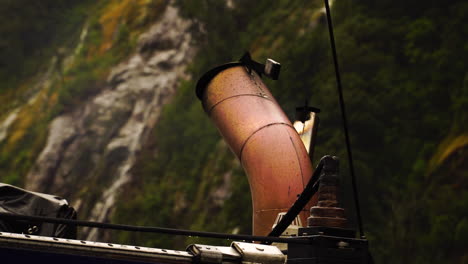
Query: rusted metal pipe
<point x="262" y="137"/>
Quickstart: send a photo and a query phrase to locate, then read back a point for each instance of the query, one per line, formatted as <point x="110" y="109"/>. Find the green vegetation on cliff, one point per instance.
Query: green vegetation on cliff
<point x="32" y="34"/>
<point x="55" y="55"/>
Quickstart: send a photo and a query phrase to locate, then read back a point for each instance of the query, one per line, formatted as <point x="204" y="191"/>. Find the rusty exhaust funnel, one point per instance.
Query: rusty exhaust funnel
<point x="261" y="136"/>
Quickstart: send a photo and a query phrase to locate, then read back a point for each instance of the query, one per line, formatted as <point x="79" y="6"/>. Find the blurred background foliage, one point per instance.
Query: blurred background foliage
<point x="405" y="78"/>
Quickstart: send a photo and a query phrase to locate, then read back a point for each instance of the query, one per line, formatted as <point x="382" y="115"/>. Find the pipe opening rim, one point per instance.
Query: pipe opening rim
<point x="206" y="78"/>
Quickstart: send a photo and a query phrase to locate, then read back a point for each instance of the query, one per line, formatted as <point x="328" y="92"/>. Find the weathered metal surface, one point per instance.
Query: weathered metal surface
<point x="214" y="254"/>
<point x="20" y="248"/>
<point x="238" y="252"/>
<point x="258" y="253"/>
<point x="327" y="213"/>
<point x="263" y="138"/>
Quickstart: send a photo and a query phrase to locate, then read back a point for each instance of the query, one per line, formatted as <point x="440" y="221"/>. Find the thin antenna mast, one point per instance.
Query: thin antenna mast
<point x="345" y="122"/>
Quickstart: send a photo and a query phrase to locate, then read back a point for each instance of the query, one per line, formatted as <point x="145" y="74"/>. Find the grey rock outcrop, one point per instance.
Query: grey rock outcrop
<point x="90" y="151"/>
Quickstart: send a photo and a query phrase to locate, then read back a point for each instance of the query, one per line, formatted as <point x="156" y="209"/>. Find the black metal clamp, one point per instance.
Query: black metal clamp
<point x="303" y="112"/>
<point x="270" y="69"/>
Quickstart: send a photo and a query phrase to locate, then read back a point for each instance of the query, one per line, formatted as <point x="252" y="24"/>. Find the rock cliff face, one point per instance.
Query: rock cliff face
<point x="91" y="150"/>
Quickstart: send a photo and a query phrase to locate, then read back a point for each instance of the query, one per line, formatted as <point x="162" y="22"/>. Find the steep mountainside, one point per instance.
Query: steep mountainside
<point x="92" y="143"/>
<point x="97" y="105"/>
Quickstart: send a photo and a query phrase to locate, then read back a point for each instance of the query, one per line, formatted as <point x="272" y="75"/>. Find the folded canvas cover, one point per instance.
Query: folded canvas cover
<point x="19" y="201"/>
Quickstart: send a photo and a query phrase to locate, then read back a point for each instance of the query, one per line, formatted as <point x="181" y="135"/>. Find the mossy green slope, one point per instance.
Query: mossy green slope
<point x="68" y="63"/>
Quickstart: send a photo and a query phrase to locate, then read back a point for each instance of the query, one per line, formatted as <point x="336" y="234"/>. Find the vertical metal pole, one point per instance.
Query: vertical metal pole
<point x="345" y="122"/>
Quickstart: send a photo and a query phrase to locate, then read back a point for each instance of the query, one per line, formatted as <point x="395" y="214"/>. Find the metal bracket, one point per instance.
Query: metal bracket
<point x="306" y="125"/>
<point x="258" y="253"/>
<point x="212" y="254"/>
<point x="270" y="69"/>
<point x="238" y="252"/>
<point x="303" y="112"/>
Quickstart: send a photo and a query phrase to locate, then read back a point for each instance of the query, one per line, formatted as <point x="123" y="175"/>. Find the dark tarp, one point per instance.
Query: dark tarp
<point x="18" y="201"/>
